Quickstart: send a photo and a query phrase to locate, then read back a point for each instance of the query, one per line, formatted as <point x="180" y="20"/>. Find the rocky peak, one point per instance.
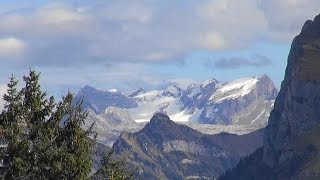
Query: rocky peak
<point x="173" y="91"/>
<point x="296" y="109"/>
<point x="160" y="120"/>
<point x="210" y="82"/>
<point x="137" y="92"/>
<point x="99" y="100"/>
<point x="87" y="88"/>
<point x="265" y="88"/>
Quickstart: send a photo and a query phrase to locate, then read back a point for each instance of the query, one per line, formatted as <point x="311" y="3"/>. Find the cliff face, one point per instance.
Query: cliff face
<point x="296" y="109"/>
<point x="291" y="147"/>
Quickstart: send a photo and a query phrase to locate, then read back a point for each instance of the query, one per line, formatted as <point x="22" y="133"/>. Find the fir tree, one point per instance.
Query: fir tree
<point x="113" y="168"/>
<point x="11" y="126"/>
<point x="39" y="146"/>
<point x="45" y="139"/>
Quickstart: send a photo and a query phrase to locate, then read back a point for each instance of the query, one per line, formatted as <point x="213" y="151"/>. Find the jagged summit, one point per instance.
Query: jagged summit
<point x="266" y="88"/>
<point x="137" y="92"/>
<point x="159" y="117"/>
<point x="304" y="57"/>
<point x="265" y="77"/>
<point x="160" y="120"/>
<point x="212" y="82"/>
<point x="173" y="91"/>
<point x="99" y="100"/>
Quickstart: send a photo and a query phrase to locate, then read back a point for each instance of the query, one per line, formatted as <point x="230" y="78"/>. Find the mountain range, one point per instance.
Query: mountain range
<point x="287" y="148"/>
<point x="240" y="106"/>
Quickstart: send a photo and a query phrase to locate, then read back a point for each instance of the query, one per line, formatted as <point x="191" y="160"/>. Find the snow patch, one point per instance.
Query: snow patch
<point x="234" y="89"/>
<point x="258" y="116"/>
<point x="180" y="117"/>
<point x="112" y="90"/>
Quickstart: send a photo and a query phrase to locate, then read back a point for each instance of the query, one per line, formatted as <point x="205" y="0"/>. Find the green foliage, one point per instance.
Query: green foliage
<point x="45" y="139"/>
<point x="113" y="169"/>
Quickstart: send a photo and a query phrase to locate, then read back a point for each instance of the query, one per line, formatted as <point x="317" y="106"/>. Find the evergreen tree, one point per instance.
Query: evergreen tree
<point x="113" y="169"/>
<point x="39" y="145"/>
<point x="11" y="126"/>
<point x="44" y="139"/>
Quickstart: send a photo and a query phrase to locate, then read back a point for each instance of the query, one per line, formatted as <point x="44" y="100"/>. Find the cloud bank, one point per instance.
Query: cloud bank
<point x="238" y="62"/>
<point x="110" y="41"/>
<point x="62" y="34"/>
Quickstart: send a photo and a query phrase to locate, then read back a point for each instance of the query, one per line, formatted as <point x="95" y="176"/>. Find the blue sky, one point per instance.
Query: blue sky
<point x="128" y="44"/>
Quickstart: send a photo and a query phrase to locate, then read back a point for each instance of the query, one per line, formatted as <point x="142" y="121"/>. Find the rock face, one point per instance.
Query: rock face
<point x="296" y="109"/>
<point x="166" y="150"/>
<point x="98" y="100"/>
<point x="291" y="140"/>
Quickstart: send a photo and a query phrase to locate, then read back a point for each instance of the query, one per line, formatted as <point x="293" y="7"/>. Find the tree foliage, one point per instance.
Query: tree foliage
<point x="44" y="139"/>
<point x="113" y="168"/>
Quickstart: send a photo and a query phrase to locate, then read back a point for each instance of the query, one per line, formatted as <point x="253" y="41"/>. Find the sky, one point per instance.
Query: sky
<point x="127" y="44"/>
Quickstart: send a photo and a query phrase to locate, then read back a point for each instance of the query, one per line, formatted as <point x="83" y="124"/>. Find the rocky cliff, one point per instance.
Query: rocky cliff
<point x="291" y="140"/>
<point x="296" y="109"/>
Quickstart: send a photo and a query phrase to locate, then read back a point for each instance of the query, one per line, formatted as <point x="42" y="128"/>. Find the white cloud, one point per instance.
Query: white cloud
<point x="11" y="47"/>
<point x="65" y="33"/>
<point x="214" y="41"/>
<point x="286" y="18"/>
<point x="127" y="11"/>
<point x="231" y="23"/>
<point x="57" y="15"/>
<point x="70" y="43"/>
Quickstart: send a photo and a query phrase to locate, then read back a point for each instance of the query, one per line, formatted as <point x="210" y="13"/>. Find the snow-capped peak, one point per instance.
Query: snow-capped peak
<point x="209" y="81"/>
<point x="234" y="89"/>
<point x="172" y="90"/>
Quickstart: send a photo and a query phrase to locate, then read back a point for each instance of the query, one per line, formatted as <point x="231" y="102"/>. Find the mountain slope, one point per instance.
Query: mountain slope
<point x="291" y="139"/>
<point x="98" y="100"/>
<point x="243" y="102"/>
<point x="111" y="123"/>
<point x="165" y="150"/>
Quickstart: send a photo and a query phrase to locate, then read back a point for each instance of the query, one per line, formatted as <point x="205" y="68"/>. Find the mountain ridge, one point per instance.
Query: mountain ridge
<point x="166" y="150"/>
<point x="197" y="103"/>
